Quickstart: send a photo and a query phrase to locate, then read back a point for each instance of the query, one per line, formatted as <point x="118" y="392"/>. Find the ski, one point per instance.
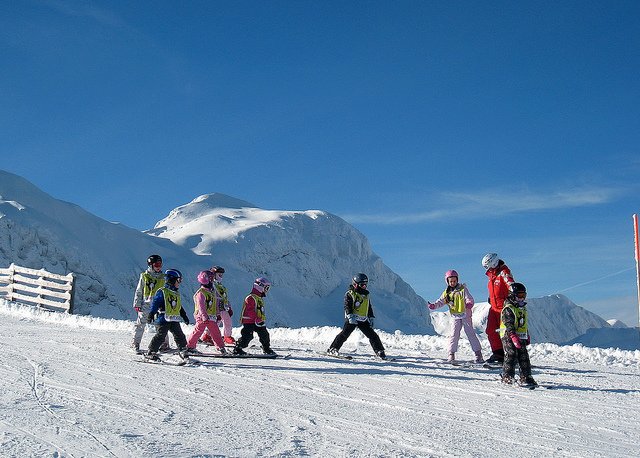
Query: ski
<point x="231" y="355"/>
<point x="181" y="362"/>
<point x="337" y="356"/>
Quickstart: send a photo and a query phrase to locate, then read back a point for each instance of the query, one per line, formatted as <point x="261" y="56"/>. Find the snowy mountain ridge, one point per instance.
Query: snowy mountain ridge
<point x="308" y="255"/>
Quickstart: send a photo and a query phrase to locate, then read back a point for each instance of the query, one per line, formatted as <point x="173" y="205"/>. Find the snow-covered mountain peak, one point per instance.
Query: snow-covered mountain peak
<point x="211" y="218"/>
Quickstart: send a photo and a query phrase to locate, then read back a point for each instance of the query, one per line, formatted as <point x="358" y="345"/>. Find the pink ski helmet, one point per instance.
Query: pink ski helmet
<point x="262" y="285"/>
<point x="450" y="273"/>
<point x="204" y="277"/>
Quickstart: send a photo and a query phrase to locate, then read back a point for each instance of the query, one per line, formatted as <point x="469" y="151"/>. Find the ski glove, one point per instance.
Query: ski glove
<point x="431" y="306"/>
<point x="138" y="309"/>
<point x="218" y="318"/>
<point x="516" y="341"/>
<point x="186" y="320"/>
<point x="370" y="321"/>
<point x="353" y="319"/>
<point x="230" y="312"/>
<point x="260" y="324"/>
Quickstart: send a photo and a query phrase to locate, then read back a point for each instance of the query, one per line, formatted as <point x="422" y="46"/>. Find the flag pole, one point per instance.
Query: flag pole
<point x="635" y="232"/>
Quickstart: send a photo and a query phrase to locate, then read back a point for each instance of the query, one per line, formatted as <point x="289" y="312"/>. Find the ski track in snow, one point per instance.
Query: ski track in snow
<point x="78" y="390"/>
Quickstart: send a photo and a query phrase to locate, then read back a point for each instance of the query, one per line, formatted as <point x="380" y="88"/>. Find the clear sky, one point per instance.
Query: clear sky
<point x="441" y="129"/>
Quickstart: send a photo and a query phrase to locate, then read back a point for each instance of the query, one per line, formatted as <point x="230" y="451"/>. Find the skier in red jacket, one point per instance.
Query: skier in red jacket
<point x="499" y="285"/>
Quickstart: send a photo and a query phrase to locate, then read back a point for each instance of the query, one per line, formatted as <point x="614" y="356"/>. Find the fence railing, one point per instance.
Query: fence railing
<point x="37" y="287"/>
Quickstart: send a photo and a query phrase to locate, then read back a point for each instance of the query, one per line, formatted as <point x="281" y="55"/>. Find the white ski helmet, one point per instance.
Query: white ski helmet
<point x="490" y="261"/>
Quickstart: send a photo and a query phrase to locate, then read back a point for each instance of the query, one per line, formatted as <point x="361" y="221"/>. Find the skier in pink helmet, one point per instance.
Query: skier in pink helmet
<point x="253" y="319"/>
<point x="460" y="303"/>
<point x="206" y="314"/>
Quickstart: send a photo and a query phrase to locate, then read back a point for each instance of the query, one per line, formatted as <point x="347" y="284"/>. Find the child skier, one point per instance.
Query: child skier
<point x="358" y="312"/>
<point x="167" y="311"/>
<point x="515" y="337"/>
<point x="206" y="314"/>
<point x="151" y="280"/>
<point x="253" y="319"/>
<point x="224" y="307"/>
<point x="460" y="303"/>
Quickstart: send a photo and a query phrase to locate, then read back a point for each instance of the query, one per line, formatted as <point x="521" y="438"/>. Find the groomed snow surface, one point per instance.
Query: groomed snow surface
<point x="72" y="387"/>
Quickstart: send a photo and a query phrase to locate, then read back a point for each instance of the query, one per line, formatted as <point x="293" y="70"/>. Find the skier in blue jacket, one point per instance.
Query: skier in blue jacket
<point x="167" y="311"/>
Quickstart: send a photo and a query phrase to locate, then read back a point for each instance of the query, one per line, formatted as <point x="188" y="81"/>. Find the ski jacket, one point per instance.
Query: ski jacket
<point x="357" y="302"/>
<point x="222" y="299"/>
<point x="205" y="307"/>
<point x="459" y="299"/>
<point x="513" y="319"/>
<point x="166" y="306"/>
<point x="253" y="308"/>
<point x="149" y="283"/>
<point x="499" y="285"/>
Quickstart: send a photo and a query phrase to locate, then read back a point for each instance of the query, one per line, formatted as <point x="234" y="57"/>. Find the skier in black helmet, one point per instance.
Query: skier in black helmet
<point x="358" y="312"/>
<point x="514" y="333"/>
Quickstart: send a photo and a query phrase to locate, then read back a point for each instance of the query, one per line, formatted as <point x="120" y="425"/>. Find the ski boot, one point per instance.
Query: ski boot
<point x="508" y="379"/>
<point x="528" y="381"/>
<point x="237" y="351"/>
<point x="229" y="340"/>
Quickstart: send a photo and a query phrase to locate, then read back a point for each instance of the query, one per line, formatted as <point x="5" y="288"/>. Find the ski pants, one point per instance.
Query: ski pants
<point x="246" y="335"/>
<point x="366" y="329"/>
<point x="513" y="355"/>
<point x="457" y="325"/>
<point x="161" y="334"/>
<point x="140" y="326"/>
<point x="226" y="323"/>
<point x="200" y="328"/>
<point x="493" y="324"/>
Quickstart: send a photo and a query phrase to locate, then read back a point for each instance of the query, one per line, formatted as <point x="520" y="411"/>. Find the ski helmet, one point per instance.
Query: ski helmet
<point x="360" y="280"/>
<point x="262" y="285"/>
<point x="518" y="289"/>
<point x="204" y="277"/>
<point x="217" y="269"/>
<point x="153" y="259"/>
<point x="490" y="261"/>
<point x="450" y="273"/>
<point x="172" y="276"/>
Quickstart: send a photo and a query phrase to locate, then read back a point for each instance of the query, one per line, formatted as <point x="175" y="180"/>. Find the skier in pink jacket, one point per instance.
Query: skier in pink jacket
<point x="206" y="314"/>
<point x="460" y="303"/>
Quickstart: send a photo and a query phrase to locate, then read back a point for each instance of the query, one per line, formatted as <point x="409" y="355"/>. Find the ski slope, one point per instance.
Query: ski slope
<point x="71" y="387"/>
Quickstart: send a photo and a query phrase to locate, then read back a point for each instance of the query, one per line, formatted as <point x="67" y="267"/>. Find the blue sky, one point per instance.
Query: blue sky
<point x="441" y="130"/>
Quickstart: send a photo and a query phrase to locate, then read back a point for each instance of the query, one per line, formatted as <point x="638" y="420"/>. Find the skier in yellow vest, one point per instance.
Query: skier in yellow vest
<point x="253" y="319"/>
<point x="151" y="280"/>
<point x="167" y="311"/>
<point x="515" y="337"/>
<point x="460" y="302"/>
<point x="358" y="312"/>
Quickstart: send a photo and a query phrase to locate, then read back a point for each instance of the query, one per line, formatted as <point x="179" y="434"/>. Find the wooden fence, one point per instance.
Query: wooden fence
<point x="37" y="287"/>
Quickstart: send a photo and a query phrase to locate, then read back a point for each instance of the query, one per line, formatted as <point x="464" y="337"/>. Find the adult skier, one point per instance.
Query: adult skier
<point x="499" y="286"/>
<point x="151" y="280"/>
<point x="167" y="312"/>
<point x="358" y="312"/>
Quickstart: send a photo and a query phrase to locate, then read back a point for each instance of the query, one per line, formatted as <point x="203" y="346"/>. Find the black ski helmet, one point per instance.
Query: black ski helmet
<point x="217" y="269"/>
<point x="359" y="279"/>
<point x="153" y="259"/>
<point x="517" y="288"/>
